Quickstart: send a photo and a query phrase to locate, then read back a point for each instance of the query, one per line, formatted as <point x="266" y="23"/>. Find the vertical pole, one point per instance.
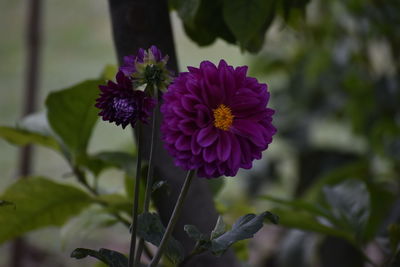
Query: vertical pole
<point x="33" y="42"/>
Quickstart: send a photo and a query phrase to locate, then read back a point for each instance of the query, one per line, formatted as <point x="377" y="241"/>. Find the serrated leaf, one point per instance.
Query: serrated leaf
<point x="194" y="233"/>
<point x="245" y="227"/>
<point x="23" y="137"/>
<point x="152" y="230"/>
<point x="72" y="114"/>
<point x="110" y="257"/>
<point x="219" y="228"/>
<point x="39" y="203"/>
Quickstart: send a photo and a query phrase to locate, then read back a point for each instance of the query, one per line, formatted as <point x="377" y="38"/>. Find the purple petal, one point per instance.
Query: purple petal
<point x="207" y="136"/>
<point x="223" y="146"/>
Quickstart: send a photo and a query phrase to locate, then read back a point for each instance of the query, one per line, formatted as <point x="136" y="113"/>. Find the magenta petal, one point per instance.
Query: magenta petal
<point x="248" y="129"/>
<point x="207" y="136"/>
<point x="224" y="146"/>
<point x="196" y="148"/>
<point x="234" y="159"/>
<point x="209" y="154"/>
<point x="183" y="143"/>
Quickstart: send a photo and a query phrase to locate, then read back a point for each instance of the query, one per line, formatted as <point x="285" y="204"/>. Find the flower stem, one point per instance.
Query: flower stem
<point x="174" y="218"/>
<point x="136" y="196"/>
<point x="149" y="180"/>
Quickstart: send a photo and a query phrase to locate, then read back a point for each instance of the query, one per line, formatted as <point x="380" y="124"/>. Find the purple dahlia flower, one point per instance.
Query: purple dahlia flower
<point x="216" y="119"/>
<point x="147" y="67"/>
<point x="121" y="104"/>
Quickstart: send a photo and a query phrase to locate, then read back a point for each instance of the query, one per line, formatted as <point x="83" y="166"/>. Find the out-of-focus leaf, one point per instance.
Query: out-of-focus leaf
<point x="110" y="257"/>
<point x="72" y="114"/>
<point x="297" y="204"/>
<point x="394" y="237"/>
<point x="307" y="222"/>
<point x="152" y="230"/>
<point x="356" y="169"/>
<point x="104" y="160"/>
<point x="81" y="227"/>
<point x="115" y="203"/>
<point x="219" y="228"/>
<point x="4" y="203"/>
<point x="208" y="24"/>
<point x="216" y="185"/>
<point x="246" y="19"/>
<point x="350" y="204"/>
<point x="23" y="137"/>
<point x="245" y="227"/>
<point x="381" y="199"/>
<point x="187" y="9"/>
<point x="109" y="72"/>
<point x="39" y="203"/>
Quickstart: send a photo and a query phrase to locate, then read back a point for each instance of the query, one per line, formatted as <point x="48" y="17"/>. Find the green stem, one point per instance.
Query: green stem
<point x="136" y="196"/>
<point x="174" y="218"/>
<point x="149" y="180"/>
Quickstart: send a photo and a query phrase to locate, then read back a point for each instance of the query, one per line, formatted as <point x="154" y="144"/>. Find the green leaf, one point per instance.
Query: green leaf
<point x="110" y="257"/>
<point x="194" y="233"/>
<point x="115" y="203"/>
<point x="152" y="230"/>
<point x="247" y="18"/>
<point x="109" y="72"/>
<point x="104" y="160"/>
<point x="298" y="204"/>
<point x="23" y="137"/>
<point x="72" y="114"/>
<point x="208" y="24"/>
<point x="245" y="227"/>
<point x="219" y="228"/>
<point x="39" y="203"/>
<point x="350" y="205"/>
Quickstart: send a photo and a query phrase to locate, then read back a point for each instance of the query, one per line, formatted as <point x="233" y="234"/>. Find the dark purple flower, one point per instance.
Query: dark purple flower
<point x="147" y="67"/>
<point x="121" y="104"/>
<point x="216" y="119"/>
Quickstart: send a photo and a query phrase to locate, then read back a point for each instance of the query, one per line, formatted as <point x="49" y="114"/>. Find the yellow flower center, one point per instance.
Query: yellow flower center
<point x="223" y="117"/>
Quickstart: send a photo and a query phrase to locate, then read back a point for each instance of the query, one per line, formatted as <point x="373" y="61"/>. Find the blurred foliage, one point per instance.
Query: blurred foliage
<point x="338" y="72"/>
<point x="239" y="22"/>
